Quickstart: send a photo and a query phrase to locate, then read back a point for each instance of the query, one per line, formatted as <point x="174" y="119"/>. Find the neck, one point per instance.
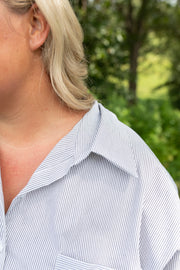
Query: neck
<point x="34" y="115"/>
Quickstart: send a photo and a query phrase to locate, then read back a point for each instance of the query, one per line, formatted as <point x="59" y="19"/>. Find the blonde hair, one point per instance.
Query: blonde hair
<point x="63" y="54"/>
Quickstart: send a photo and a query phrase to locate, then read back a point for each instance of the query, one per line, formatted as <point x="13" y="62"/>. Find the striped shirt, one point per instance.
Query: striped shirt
<point x="100" y="200"/>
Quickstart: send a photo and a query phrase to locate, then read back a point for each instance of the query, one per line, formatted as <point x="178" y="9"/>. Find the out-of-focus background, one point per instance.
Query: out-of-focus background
<point x="133" y="53"/>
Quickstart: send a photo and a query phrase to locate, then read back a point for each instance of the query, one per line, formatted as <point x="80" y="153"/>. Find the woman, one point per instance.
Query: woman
<point x="79" y="190"/>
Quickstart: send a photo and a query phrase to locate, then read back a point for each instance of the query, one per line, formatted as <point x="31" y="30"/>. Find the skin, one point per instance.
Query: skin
<point x="32" y="118"/>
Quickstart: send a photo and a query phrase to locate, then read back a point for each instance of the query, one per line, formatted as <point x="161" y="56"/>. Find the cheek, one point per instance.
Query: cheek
<point x="14" y="62"/>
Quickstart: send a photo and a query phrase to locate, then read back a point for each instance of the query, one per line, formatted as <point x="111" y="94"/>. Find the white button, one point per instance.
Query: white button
<point x="1" y="246"/>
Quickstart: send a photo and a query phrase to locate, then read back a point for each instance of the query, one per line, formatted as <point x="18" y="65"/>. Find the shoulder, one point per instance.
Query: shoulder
<point x="160" y="220"/>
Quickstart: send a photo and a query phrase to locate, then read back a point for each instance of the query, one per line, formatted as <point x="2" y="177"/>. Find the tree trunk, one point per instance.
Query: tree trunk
<point x="133" y="73"/>
<point x="136" y="35"/>
<point x="83" y="4"/>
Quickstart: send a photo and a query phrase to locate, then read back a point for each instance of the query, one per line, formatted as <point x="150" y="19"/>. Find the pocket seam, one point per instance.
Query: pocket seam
<point x="69" y="263"/>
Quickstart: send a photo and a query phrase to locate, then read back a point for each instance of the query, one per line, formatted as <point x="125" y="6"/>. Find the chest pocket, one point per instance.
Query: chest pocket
<point x="66" y="263"/>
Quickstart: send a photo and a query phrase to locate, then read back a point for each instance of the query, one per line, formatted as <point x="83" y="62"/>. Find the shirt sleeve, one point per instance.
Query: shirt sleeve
<point x="160" y="224"/>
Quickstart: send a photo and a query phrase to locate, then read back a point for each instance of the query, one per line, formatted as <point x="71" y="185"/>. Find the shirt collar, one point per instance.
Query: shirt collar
<point x="113" y="142"/>
<point x="99" y="131"/>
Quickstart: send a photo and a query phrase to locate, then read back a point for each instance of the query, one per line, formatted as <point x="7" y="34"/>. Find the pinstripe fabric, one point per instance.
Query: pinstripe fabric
<point x="99" y="201"/>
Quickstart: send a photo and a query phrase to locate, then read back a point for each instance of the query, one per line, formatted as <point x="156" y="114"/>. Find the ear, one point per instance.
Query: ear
<point x="38" y="28"/>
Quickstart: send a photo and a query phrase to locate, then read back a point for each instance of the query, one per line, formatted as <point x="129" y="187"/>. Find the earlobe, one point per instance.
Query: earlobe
<point x="39" y="29"/>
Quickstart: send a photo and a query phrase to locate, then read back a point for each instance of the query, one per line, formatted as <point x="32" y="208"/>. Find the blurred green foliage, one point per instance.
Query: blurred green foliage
<point x="119" y="34"/>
